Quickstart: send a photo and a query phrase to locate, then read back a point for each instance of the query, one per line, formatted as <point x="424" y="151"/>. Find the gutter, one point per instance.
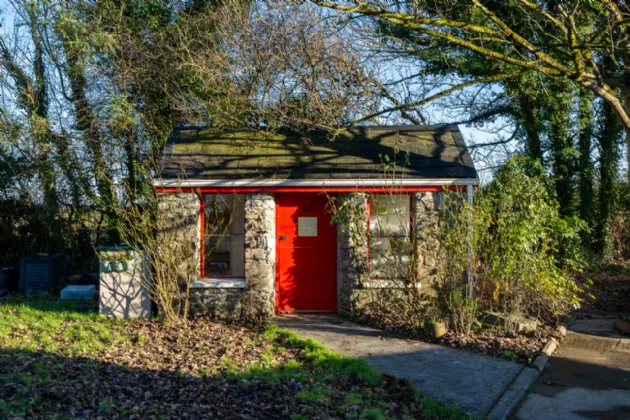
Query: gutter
<point x="324" y="183"/>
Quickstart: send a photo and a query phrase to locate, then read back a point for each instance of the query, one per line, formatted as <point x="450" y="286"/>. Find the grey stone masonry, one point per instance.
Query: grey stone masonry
<point x="180" y="222"/>
<point x="352" y="249"/>
<point x="224" y="303"/>
<point x="179" y="227"/>
<point x="258" y="300"/>
<point x="426" y="217"/>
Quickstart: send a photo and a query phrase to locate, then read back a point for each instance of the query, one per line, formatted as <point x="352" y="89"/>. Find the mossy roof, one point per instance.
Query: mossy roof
<point x="436" y="151"/>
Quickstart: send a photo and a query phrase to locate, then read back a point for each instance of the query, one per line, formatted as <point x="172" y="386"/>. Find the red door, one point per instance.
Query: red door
<point x="306" y="242"/>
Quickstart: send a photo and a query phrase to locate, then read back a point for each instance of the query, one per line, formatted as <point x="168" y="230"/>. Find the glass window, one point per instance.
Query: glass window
<point x="224" y="235"/>
<point x="390" y="228"/>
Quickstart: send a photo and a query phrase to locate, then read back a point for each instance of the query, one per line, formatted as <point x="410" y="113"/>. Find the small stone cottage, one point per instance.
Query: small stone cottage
<point x="255" y="208"/>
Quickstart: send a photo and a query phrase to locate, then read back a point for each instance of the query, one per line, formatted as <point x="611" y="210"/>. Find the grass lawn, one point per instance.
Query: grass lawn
<point x="59" y="359"/>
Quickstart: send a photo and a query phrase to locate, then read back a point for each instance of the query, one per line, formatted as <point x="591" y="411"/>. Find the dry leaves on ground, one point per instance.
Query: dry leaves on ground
<point x="609" y="293"/>
<point x="195" y="369"/>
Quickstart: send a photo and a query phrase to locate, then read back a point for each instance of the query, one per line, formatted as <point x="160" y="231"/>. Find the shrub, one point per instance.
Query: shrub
<point x="524" y="250"/>
<point x="522" y="255"/>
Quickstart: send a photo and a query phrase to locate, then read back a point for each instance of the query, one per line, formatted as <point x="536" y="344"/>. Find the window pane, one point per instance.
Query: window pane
<point x="390" y="226"/>
<point x="224" y="242"/>
<point x="389" y="215"/>
<point x="225" y="256"/>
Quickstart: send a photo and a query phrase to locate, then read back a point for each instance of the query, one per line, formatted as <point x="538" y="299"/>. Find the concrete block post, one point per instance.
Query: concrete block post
<point x="123" y="284"/>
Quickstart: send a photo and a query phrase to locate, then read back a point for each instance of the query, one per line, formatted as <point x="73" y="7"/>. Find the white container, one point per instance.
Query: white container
<point x="123" y="293"/>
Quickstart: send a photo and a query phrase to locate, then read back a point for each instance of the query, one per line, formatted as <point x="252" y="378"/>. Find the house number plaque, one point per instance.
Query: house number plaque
<point x="307" y="226"/>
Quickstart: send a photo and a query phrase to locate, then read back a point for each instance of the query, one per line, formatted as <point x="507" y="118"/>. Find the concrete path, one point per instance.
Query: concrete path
<point x="472" y="382"/>
<point x="588" y="377"/>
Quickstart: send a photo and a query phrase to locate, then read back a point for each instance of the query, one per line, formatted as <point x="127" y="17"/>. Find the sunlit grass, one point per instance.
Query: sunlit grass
<point x="74" y="329"/>
<point x="46" y="324"/>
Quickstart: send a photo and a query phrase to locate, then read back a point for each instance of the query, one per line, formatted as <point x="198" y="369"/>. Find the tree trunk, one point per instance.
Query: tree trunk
<point x="42" y="132"/>
<point x="86" y="122"/>
<point x="130" y="150"/>
<point x="585" y="166"/>
<point x="622" y="110"/>
<point x="534" y="146"/>
<point x="608" y="141"/>
<point x="559" y="134"/>
<point x="530" y="120"/>
<point x="69" y="168"/>
<point x="627" y="137"/>
<point x="626" y="107"/>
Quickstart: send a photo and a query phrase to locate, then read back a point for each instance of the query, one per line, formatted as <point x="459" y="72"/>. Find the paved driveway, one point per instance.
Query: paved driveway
<point x="588" y="377"/>
<point x="472" y="382"/>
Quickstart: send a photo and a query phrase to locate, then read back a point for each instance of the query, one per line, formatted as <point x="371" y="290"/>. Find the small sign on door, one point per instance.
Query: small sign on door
<point x="307" y="226"/>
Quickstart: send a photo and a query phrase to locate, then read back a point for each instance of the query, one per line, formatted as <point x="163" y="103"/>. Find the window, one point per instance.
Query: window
<point x="390" y="228"/>
<point x="223" y="235"/>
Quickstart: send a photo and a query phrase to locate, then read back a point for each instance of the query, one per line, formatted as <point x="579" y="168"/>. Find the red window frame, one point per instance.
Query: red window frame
<point x="411" y="227"/>
<point x="202" y="247"/>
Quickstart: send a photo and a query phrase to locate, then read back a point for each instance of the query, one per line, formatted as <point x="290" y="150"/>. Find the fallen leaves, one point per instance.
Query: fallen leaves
<point x="498" y="342"/>
<point x="195" y="369"/>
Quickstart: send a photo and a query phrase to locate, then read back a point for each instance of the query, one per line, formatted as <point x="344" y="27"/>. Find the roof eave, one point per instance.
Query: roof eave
<point x="322" y="183"/>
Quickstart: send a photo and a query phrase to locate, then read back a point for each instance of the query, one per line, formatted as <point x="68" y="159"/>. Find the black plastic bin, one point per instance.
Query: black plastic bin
<point x="9" y="276"/>
<point x="42" y="273"/>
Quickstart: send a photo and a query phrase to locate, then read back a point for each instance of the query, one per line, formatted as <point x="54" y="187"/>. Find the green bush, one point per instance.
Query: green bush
<point x="524" y="250"/>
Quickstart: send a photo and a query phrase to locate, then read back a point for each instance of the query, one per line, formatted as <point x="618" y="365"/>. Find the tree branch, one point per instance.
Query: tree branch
<point x="510" y="34"/>
<point x="544" y="13"/>
<point x="488" y="79"/>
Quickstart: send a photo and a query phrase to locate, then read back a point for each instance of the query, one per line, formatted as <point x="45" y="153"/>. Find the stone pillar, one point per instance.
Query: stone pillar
<point x="426" y="216"/>
<point x="352" y="249"/>
<point x="258" y="301"/>
<point x="179" y="230"/>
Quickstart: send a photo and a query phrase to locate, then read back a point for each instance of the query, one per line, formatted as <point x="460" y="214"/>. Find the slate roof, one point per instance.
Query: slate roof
<point x="435" y="151"/>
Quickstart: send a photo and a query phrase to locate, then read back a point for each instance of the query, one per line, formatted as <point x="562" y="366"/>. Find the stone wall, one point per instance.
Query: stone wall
<point x="223" y="303"/>
<point x="180" y="232"/>
<point x="260" y="255"/>
<point x="256" y="298"/>
<point x="355" y="287"/>
<point x="426" y="217"/>
<point x="179" y="227"/>
<point x="352" y="250"/>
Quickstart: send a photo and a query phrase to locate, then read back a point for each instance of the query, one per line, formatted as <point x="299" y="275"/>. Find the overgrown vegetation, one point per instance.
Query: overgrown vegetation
<point x="92" y="90"/>
<point x="534" y="64"/>
<point x="172" y="259"/>
<point x="529" y="249"/>
<point x="87" y="108"/>
<point x="59" y="359"/>
<point x="525" y="253"/>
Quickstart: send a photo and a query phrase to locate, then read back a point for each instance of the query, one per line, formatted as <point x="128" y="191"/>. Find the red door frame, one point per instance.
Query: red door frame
<point x="322" y="290"/>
